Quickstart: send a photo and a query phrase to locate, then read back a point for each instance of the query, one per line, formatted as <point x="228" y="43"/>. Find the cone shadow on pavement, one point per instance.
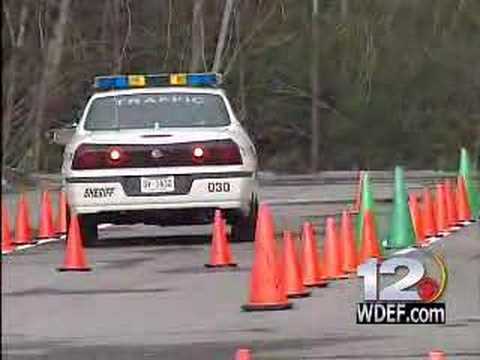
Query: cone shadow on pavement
<point x="267" y="289"/>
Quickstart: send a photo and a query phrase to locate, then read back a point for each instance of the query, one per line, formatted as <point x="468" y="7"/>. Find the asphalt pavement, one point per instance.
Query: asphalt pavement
<point x="149" y="297"/>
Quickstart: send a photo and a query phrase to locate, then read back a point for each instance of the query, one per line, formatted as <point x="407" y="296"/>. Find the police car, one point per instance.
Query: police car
<point x="160" y="149"/>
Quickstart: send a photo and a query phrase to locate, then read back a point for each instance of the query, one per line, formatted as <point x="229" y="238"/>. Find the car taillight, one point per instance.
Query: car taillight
<point x="224" y="152"/>
<point x="99" y="156"/>
<point x="117" y="156"/>
<point x="90" y="156"/>
<point x="86" y="157"/>
<point x="198" y="155"/>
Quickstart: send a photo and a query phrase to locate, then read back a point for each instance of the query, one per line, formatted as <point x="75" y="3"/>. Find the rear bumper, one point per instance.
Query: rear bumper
<point x="91" y="209"/>
<point x="112" y="194"/>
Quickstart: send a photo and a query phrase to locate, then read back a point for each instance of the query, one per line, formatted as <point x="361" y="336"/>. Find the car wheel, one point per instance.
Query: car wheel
<point x="88" y="229"/>
<point x="243" y="227"/>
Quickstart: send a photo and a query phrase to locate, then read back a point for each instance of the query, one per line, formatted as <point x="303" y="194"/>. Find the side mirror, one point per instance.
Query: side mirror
<point x="61" y="136"/>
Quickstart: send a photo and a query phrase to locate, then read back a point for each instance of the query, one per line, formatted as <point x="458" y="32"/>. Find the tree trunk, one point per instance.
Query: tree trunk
<point x="197" y="45"/>
<point x="344" y="9"/>
<point x="241" y="74"/>
<point x="315" y="90"/>
<point x="54" y="55"/>
<point x="217" y="62"/>
<point x="115" y="29"/>
<point x="17" y="42"/>
<point x="255" y="29"/>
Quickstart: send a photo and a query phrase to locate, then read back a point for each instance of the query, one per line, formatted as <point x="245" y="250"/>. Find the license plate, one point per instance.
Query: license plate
<point x="157" y="184"/>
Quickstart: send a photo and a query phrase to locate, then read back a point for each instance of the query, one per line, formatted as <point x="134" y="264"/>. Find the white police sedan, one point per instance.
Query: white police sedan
<point x="160" y="149"/>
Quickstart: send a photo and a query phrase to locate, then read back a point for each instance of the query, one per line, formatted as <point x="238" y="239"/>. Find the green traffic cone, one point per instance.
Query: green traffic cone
<point x="401" y="234"/>
<point x="465" y="171"/>
<point x="367" y="203"/>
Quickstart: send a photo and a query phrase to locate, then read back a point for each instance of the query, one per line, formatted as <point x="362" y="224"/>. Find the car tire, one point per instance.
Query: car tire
<point x="88" y="229"/>
<point x="243" y="226"/>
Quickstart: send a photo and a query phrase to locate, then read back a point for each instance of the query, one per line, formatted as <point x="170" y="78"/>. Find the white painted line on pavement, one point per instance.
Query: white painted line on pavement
<point x="434" y="240"/>
<point x="455" y="228"/>
<point x="404" y="251"/>
<point x="104" y="226"/>
<point x="46" y="241"/>
<point x="24" y="247"/>
<point x="39" y="242"/>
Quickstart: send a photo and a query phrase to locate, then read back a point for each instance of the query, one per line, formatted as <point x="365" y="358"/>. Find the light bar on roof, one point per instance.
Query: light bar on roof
<point x="136" y="80"/>
<point x="112" y="82"/>
<point x="178" y="79"/>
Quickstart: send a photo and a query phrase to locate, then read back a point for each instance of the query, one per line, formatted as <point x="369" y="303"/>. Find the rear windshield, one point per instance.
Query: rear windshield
<point x="145" y="111"/>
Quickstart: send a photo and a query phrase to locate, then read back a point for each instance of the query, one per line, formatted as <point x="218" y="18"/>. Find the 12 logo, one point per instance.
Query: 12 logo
<point x="416" y="285"/>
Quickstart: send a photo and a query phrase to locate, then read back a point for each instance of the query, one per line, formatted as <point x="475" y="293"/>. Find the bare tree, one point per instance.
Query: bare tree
<point x="54" y="55"/>
<point x="227" y="11"/>
<point x="197" y="31"/>
<point x="344" y="9"/>
<point x="17" y="41"/>
<point x="255" y="29"/>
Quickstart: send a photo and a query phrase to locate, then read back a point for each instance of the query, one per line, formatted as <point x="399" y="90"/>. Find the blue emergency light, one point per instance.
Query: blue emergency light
<point x="113" y="82"/>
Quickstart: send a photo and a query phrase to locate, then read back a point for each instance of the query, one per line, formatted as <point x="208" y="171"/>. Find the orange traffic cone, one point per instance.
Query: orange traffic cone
<point x="46" y="229"/>
<point x="7" y="243"/>
<point x="428" y="216"/>
<point x="75" y="258"/>
<point x="463" y="208"/>
<point x="417" y="222"/>
<point x="311" y="267"/>
<point x="220" y="252"/>
<point x="370" y="247"/>
<point x="243" y="354"/>
<point x="29" y="220"/>
<point x="332" y="257"/>
<point x="436" y="355"/>
<point x="23" y="231"/>
<point x="267" y="291"/>
<point x="451" y="206"/>
<point x="291" y="269"/>
<point x="347" y="236"/>
<point x="441" y="211"/>
<point x="62" y="221"/>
